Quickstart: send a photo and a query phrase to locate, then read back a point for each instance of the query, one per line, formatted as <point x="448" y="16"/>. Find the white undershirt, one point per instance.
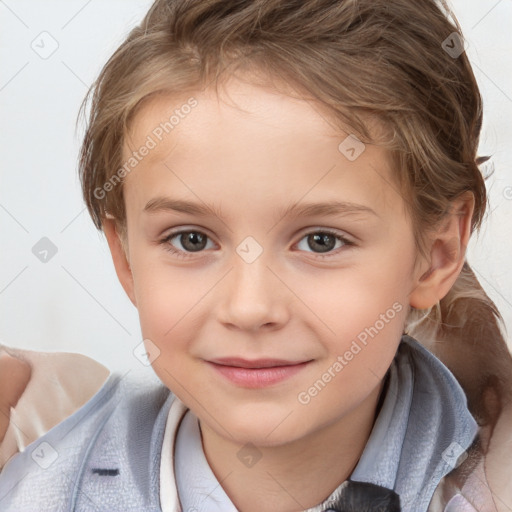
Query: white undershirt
<point x="188" y="471"/>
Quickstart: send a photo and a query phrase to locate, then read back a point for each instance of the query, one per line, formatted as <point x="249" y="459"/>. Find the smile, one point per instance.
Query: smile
<point x="257" y="373"/>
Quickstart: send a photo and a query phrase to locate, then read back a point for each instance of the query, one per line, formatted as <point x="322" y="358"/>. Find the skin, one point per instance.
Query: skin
<point x="252" y="151"/>
<point x="14" y="377"/>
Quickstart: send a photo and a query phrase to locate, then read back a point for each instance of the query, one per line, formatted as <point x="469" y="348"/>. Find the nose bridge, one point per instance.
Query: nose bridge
<point x="250" y="299"/>
<point x="250" y="279"/>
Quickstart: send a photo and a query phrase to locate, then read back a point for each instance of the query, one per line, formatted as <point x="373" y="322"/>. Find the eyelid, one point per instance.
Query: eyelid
<point x="184" y="229"/>
<point x="331" y="231"/>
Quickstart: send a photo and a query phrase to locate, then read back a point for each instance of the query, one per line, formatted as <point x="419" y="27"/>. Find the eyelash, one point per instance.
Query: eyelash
<point x="183" y="254"/>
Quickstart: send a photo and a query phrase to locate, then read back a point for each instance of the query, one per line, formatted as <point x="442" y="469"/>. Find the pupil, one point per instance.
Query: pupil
<point x="322" y="242"/>
<point x="193" y="241"/>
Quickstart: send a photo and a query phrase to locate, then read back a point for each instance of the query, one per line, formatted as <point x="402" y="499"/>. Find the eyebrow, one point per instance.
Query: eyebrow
<point x="159" y="204"/>
<point x="326" y="209"/>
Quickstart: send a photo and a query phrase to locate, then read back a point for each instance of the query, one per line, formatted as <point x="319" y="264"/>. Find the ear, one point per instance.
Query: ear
<point x="447" y="254"/>
<point x="119" y="257"/>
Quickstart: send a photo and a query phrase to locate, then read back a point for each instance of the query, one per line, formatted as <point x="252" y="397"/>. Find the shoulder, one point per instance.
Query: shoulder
<point x="56" y="385"/>
<point x="438" y="399"/>
<point x="433" y="376"/>
<point x="472" y="480"/>
<point x="439" y="427"/>
<point x="122" y="416"/>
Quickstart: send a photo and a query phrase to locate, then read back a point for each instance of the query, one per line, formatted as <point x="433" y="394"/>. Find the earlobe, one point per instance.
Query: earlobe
<point x="447" y="255"/>
<point x="119" y="258"/>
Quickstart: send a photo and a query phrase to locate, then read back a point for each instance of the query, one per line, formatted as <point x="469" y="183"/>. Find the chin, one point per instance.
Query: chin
<point x="261" y="429"/>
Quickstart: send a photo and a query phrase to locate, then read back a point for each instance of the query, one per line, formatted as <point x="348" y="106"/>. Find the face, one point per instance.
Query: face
<point x="271" y="263"/>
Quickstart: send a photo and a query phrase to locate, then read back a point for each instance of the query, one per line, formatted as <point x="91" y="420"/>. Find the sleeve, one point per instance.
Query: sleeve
<point x="475" y="495"/>
<point x="60" y="384"/>
<point x="459" y="504"/>
<point x="466" y="488"/>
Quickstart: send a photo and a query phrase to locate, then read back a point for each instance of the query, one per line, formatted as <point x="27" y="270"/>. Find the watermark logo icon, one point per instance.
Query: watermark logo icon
<point x="45" y="45"/>
<point x="249" y="249"/>
<point x="249" y="455"/>
<point x="351" y="148"/>
<point x="44" y="250"/>
<point x="146" y="352"/>
<point x="454" y="455"/>
<point x="454" y="45"/>
<point x="44" y="455"/>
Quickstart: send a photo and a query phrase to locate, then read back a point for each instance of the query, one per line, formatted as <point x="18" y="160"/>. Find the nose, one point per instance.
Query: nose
<point x="253" y="297"/>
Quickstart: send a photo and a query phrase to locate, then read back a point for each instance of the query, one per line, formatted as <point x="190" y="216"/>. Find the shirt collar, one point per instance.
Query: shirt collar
<point x="198" y="488"/>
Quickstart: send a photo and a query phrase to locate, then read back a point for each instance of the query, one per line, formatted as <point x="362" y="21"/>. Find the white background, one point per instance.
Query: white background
<point x="74" y="302"/>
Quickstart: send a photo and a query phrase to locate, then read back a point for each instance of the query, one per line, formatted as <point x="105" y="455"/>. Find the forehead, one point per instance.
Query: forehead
<point x="238" y="101"/>
<point x="252" y="138"/>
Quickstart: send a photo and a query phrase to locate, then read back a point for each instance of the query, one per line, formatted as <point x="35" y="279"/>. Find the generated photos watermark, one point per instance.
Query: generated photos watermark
<point x="357" y="345"/>
<point x="152" y="140"/>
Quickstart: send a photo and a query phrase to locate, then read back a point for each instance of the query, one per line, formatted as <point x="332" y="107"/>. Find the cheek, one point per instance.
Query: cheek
<point x="364" y="308"/>
<point x="163" y="295"/>
<point x="172" y="301"/>
<point x="349" y="300"/>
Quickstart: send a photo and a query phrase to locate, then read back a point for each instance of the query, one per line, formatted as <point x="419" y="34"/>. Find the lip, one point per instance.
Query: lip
<point x="256" y="373"/>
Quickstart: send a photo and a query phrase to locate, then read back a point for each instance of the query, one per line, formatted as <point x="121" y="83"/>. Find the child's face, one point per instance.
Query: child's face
<point x="256" y="286"/>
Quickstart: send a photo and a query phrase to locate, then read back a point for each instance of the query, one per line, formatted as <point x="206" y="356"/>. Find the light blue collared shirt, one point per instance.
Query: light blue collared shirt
<point x="108" y="454"/>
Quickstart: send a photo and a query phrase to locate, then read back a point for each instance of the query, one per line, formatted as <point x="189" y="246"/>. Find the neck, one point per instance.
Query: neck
<point x="299" y="474"/>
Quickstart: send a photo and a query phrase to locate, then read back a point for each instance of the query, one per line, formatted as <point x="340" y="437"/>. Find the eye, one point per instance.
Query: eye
<point x="191" y="241"/>
<point x="324" y="241"/>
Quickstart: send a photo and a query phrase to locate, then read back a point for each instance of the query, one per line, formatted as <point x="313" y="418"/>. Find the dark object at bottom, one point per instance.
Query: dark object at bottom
<point x="365" y="497"/>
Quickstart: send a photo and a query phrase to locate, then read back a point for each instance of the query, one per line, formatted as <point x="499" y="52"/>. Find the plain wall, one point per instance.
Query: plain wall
<point x="73" y="302"/>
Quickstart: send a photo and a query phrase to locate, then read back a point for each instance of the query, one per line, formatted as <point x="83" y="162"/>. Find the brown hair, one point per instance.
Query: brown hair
<point x="384" y="60"/>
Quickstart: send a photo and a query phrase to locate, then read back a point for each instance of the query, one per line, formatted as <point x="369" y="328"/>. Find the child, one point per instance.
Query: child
<point x="322" y="156"/>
